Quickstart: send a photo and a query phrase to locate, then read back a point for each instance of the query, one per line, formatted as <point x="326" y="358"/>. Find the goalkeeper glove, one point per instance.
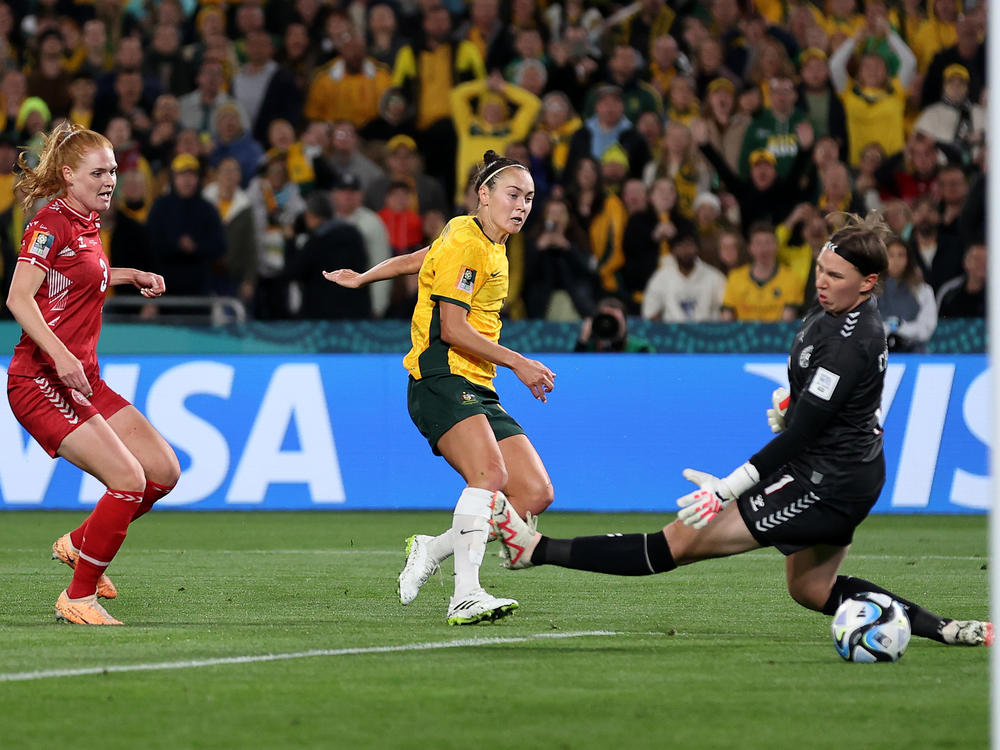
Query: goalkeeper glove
<point x="713" y="494"/>
<point x="779" y="406"/>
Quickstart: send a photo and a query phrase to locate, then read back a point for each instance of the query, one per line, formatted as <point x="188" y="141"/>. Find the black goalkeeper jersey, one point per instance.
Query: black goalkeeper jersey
<point x="836" y="369"/>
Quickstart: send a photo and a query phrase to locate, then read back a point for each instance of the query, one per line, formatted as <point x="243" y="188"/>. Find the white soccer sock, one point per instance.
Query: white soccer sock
<point x="470" y="530"/>
<point x="441" y="546"/>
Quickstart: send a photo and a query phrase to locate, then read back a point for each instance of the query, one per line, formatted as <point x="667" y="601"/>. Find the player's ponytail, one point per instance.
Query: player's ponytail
<point x="493" y="165"/>
<point x="64" y="146"/>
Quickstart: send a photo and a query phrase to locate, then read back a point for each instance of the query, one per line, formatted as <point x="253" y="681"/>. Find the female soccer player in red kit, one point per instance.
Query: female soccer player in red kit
<point x="54" y="382"/>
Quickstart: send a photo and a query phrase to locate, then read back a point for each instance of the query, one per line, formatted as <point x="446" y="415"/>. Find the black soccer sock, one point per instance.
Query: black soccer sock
<point x="922" y="622"/>
<point x="616" y="554"/>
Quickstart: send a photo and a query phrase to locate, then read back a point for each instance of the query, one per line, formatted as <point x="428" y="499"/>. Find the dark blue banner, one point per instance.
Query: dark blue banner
<point x="332" y="431"/>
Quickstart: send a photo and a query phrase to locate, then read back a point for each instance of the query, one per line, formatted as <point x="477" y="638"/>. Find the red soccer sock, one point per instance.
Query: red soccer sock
<point x="76" y="535"/>
<point x="105" y="532"/>
<point x="152" y="493"/>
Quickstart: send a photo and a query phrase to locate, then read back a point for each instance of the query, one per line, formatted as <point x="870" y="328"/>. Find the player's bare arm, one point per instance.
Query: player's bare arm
<point x="458" y="333"/>
<point x="399" y="265"/>
<point x="21" y="303"/>
<point x="148" y="284"/>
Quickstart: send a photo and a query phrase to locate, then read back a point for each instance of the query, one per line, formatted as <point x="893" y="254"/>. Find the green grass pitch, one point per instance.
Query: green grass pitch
<point x="712" y="656"/>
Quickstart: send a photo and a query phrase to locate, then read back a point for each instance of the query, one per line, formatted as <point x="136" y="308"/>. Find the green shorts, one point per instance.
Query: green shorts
<point x="440" y="402"/>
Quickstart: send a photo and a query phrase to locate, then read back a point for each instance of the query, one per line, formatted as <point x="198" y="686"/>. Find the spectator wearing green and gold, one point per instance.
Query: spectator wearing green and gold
<point x="624" y="67"/>
<point x="425" y="70"/>
<point x="774" y="128"/>
<point x="874" y="101"/>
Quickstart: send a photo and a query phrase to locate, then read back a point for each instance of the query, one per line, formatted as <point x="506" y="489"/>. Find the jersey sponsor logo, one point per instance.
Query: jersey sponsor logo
<point x="41" y="243"/>
<point x="823" y="383"/>
<point x="804" y="356"/>
<point x="466" y="280"/>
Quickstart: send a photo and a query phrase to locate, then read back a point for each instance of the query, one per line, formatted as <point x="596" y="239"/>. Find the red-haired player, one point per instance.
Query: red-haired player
<point x="54" y="382"/>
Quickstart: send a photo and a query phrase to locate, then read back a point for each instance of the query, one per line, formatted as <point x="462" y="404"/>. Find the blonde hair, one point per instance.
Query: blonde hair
<point x="65" y="146"/>
<point x="862" y="242"/>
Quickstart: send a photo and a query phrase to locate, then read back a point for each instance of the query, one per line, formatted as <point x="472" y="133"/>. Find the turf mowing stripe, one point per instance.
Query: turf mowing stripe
<point x="398" y="553"/>
<point x="194" y="664"/>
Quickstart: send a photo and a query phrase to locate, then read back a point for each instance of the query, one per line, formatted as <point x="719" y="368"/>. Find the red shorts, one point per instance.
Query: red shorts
<point x="51" y="411"/>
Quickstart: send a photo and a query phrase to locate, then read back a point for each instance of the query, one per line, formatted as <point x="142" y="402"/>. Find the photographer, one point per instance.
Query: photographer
<point x="607" y="331"/>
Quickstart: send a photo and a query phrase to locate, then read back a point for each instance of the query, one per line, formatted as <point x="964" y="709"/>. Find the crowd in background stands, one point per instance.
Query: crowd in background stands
<point x="690" y="158"/>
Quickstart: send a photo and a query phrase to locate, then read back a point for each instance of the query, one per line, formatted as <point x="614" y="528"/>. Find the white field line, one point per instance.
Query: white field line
<point x="257" y="658"/>
<point x="399" y="553"/>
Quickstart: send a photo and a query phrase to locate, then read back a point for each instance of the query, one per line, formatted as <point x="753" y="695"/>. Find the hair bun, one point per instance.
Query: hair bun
<point x="490" y="157"/>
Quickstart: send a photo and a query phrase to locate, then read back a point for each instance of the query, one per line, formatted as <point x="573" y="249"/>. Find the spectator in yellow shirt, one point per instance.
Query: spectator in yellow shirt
<point x="350" y="87"/>
<point x="426" y="72"/>
<point x="935" y="33"/>
<point x="874" y="103"/>
<point x="493" y="124"/>
<point x="764" y="290"/>
<point x="800" y="238"/>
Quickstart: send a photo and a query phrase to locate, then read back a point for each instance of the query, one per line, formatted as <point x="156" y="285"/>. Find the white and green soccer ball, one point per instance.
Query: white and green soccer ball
<point x="870" y="627"/>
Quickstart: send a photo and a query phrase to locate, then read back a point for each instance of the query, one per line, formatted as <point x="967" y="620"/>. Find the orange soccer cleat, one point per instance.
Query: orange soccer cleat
<point x="85" y="611"/>
<point x="62" y="549"/>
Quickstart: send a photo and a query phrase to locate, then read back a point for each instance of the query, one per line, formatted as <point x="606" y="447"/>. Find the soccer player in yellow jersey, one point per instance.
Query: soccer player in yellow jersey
<point x="455" y="333"/>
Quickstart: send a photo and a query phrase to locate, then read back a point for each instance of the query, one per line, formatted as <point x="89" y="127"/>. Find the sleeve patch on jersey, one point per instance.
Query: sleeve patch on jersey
<point x="823" y="383"/>
<point x="41" y="243"/>
<point x="466" y="280"/>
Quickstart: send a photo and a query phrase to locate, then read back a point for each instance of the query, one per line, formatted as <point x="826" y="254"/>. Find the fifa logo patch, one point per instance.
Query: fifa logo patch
<point x="41" y="243"/>
<point x="467" y="398"/>
<point x="467" y="280"/>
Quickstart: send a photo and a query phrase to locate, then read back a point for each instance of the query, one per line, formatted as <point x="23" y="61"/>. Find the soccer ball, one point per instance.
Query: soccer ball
<point x="870" y="627"/>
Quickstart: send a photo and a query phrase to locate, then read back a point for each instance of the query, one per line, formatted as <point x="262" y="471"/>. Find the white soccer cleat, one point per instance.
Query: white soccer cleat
<point x="479" y="606"/>
<point x="418" y="568"/>
<point x="518" y="538"/>
<point x="968" y="633"/>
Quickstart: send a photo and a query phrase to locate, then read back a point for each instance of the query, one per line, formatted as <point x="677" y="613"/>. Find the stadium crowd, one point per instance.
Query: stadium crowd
<point x="690" y="158"/>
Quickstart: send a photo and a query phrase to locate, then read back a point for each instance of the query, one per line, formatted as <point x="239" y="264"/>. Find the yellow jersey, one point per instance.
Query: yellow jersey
<point x="464" y="267"/>
<point x="874" y="116"/>
<point x="751" y="300"/>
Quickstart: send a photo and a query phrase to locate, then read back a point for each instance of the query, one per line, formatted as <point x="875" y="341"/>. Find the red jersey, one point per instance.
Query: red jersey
<point x="67" y="246"/>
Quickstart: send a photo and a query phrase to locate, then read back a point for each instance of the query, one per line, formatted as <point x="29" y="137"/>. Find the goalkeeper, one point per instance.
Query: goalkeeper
<point x="806" y="490"/>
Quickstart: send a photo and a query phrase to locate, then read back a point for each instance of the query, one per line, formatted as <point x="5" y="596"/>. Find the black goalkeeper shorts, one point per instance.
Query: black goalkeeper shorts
<point x="790" y="516"/>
